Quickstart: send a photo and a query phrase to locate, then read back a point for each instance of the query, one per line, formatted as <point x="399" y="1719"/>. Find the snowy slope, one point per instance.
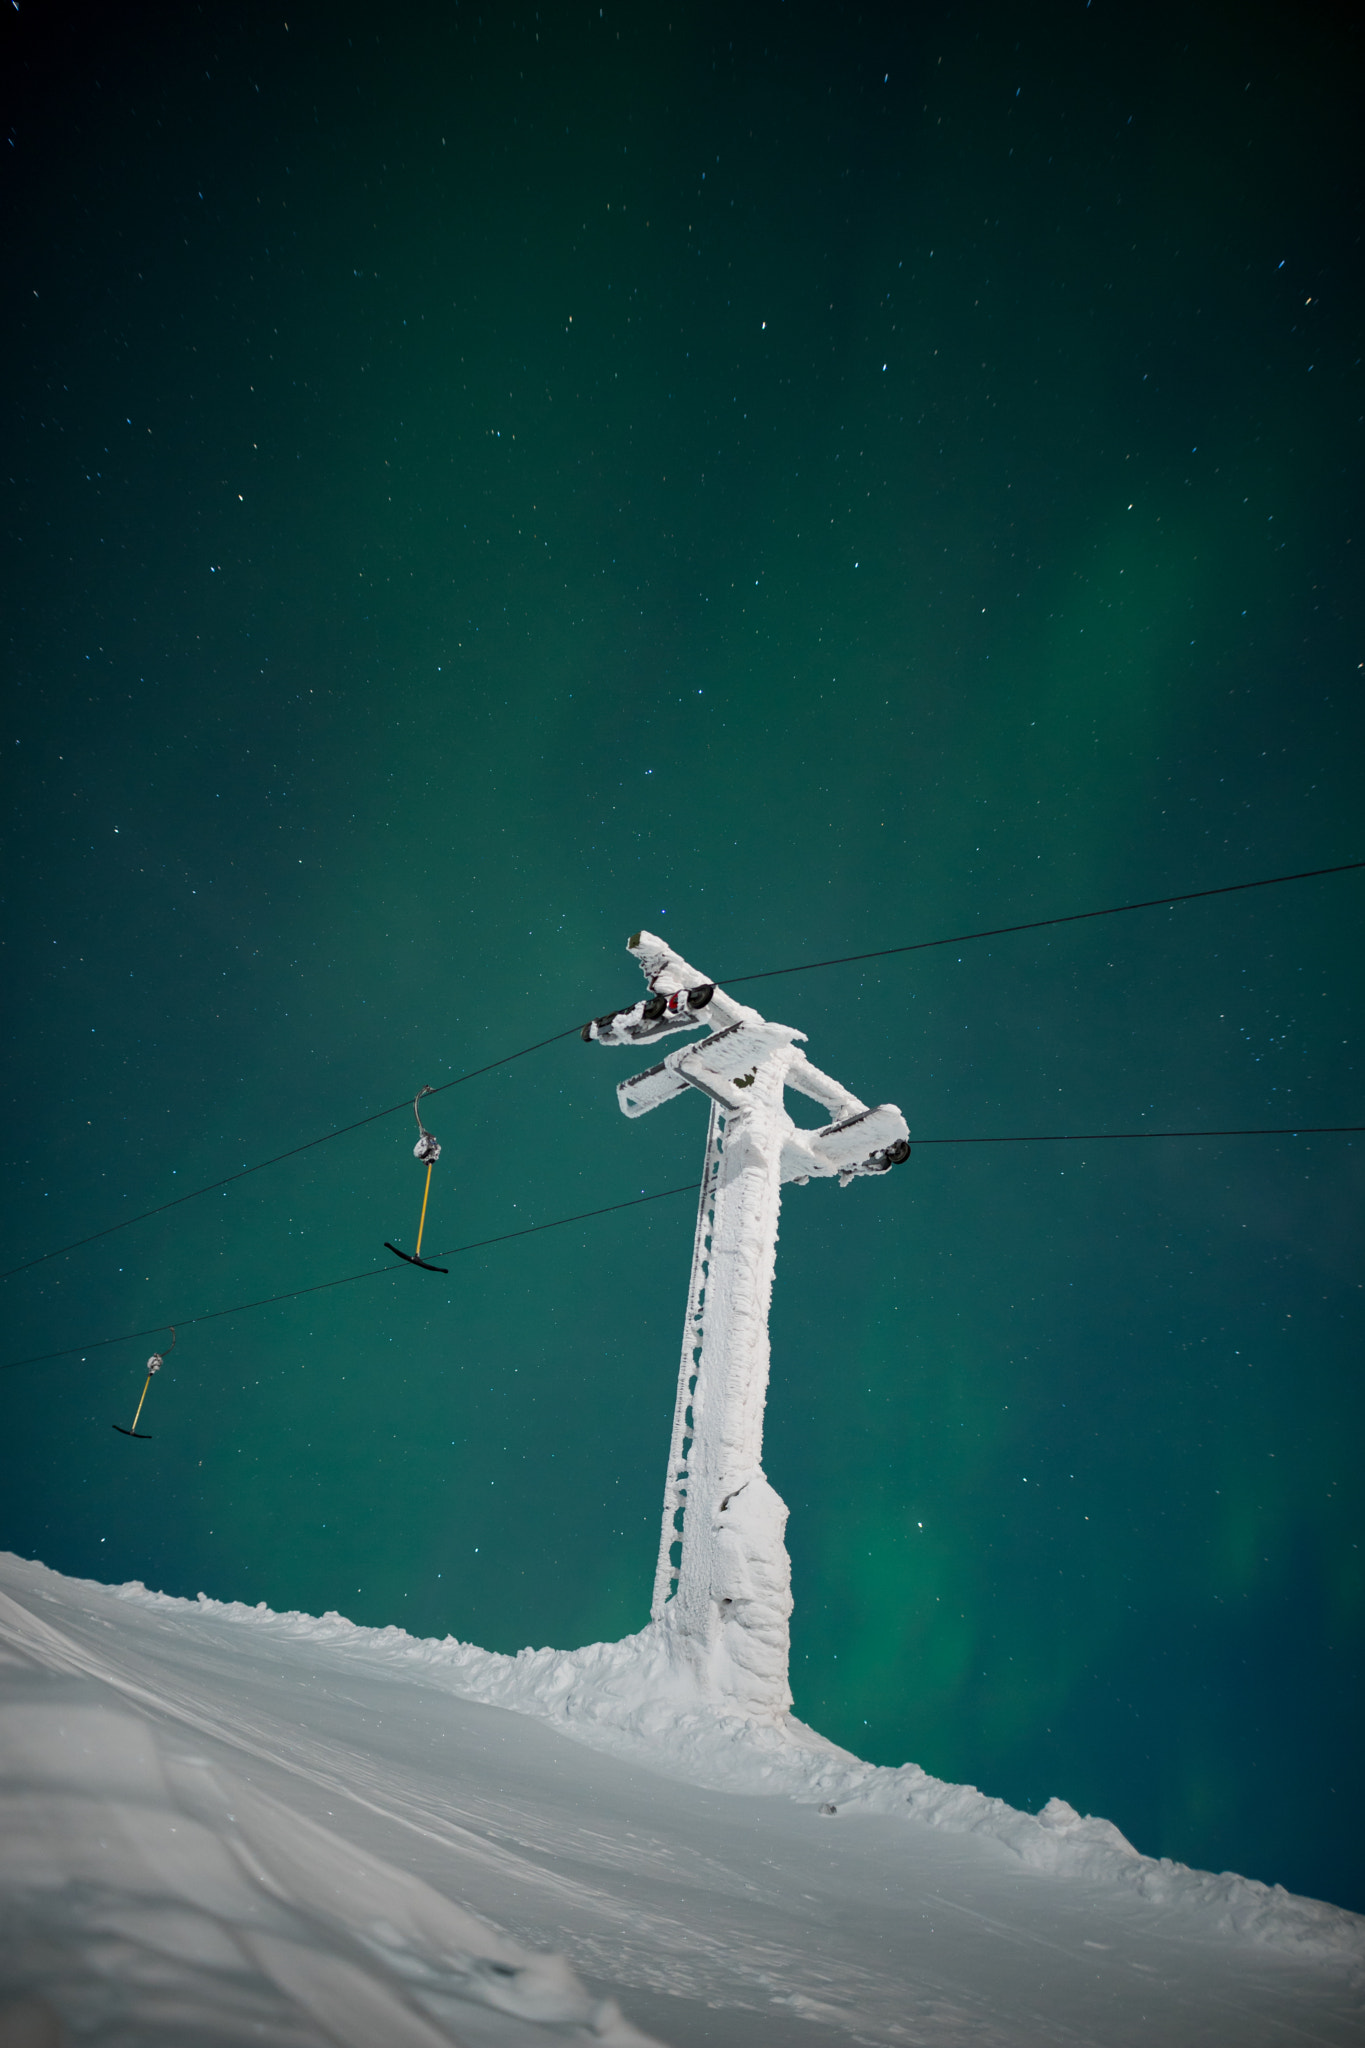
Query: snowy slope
<point x="222" y="1825"/>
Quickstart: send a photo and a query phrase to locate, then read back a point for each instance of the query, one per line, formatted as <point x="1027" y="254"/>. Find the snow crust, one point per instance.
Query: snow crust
<point x="636" y="1700"/>
<point x="221" y="1825"/>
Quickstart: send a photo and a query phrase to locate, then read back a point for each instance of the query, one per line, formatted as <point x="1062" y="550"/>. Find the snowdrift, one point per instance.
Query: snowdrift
<point x="222" y="1824"/>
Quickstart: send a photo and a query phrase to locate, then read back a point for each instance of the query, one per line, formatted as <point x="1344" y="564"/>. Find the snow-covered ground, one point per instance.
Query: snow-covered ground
<point x="222" y="1825"/>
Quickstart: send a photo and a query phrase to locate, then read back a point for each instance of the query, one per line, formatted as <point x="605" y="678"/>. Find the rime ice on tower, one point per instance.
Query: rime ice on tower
<point x="722" y="1589"/>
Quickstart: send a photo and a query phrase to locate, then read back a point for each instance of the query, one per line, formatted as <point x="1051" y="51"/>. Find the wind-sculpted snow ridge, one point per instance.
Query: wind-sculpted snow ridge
<point x="636" y="1699"/>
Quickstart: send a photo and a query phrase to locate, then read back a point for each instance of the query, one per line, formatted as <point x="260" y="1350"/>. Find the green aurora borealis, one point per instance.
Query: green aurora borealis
<point x="803" y="481"/>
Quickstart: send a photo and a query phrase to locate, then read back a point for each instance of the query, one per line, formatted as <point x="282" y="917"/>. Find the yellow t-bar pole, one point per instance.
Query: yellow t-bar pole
<point x="425" y="1192"/>
<point x="144" y="1396"/>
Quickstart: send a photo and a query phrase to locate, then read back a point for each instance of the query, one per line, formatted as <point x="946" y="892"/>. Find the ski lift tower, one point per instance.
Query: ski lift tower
<point x="722" y="1588"/>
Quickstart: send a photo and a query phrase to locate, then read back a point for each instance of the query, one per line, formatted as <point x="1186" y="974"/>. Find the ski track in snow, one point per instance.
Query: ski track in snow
<point x="222" y="1825"/>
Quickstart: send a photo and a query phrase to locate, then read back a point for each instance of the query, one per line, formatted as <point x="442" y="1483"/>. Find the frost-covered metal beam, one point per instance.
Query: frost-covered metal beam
<point x="722" y="1589"/>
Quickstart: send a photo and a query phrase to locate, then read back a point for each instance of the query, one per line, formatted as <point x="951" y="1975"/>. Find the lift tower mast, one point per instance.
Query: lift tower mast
<point x="722" y="1587"/>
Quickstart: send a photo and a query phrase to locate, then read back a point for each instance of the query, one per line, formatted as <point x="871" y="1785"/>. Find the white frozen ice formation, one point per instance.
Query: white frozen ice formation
<point x="722" y="1587"/>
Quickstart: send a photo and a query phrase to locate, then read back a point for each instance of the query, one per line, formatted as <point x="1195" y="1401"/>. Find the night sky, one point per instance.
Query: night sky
<point x="802" y="480"/>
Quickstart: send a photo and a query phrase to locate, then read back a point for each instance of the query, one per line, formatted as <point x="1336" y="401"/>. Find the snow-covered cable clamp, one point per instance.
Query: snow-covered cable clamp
<point x="427" y="1148"/>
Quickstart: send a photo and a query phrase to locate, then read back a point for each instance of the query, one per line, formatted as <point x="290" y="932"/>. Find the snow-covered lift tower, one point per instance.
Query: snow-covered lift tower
<point x="722" y="1589"/>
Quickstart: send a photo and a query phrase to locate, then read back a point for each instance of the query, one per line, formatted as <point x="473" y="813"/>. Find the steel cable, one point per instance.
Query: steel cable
<point x="732" y="981"/>
<point x="661" y="1195"/>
